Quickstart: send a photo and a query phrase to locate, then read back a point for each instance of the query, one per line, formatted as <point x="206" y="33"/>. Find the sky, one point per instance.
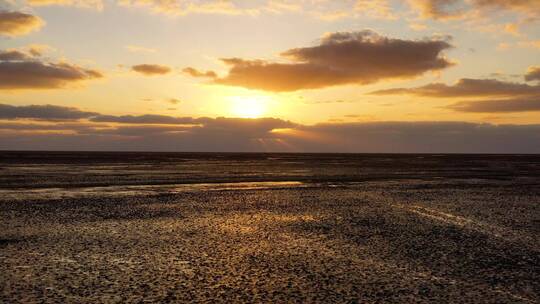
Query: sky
<point x="399" y="76"/>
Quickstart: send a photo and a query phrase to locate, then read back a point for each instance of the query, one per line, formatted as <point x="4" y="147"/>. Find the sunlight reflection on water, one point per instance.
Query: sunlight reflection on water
<point x="56" y="193"/>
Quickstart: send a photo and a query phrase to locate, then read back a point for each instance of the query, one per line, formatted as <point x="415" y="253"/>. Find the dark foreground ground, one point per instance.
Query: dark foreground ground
<point x="106" y="228"/>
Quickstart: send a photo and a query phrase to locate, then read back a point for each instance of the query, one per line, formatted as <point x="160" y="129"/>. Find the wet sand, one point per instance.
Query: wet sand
<point x="116" y="228"/>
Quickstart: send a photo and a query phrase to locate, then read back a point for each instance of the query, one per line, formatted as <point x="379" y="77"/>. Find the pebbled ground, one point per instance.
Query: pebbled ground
<point x="389" y="241"/>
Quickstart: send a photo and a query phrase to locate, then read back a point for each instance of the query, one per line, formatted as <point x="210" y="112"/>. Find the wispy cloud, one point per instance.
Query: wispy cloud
<point x="94" y="4"/>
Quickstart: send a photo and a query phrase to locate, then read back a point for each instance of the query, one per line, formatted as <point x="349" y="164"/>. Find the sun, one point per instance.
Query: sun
<point x="248" y="106"/>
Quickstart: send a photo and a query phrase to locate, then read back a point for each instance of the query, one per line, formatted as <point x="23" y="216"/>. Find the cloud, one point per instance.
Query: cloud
<point x="533" y="73"/>
<point x="196" y="73"/>
<point x="17" y="71"/>
<point x="274" y="135"/>
<point x="201" y="124"/>
<point x="24" y="53"/>
<point x="94" y="4"/>
<point x="380" y="9"/>
<point x="55" y="113"/>
<point x="34" y="127"/>
<point x="42" y="112"/>
<point x="173" y="101"/>
<point x="526" y="104"/>
<point x="12" y="55"/>
<point x="181" y="7"/>
<point x="437" y="9"/>
<point x="37" y="50"/>
<point x="279" y="6"/>
<point x="244" y="125"/>
<point x="524" y="6"/>
<point x="146" y="119"/>
<point x="18" y="24"/>
<point x="324" y="10"/>
<point x="151" y="69"/>
<point x="171" y="7"/>
<point x="509" y="96"/>
<point x="424" y="137"/>
<point x="135" y="131"/>
<point x="321" y="9"/>
<point x="467" y="88"/>
<point x="185" y="7"/>
<point x="327" y="101"/>
<point x="448" y="9"/>
<point x="341" y="58"/>
<point x="42" y="127"/>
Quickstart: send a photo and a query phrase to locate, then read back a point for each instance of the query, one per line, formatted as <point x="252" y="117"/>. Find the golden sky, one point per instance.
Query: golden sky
<point x="270" y="75"/>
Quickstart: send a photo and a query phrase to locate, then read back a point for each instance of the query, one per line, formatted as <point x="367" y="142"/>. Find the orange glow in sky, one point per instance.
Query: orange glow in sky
<point x="311" y="67"/>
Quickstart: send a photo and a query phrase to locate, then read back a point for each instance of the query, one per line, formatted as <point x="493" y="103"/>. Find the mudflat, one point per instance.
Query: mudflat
<point x="200" y="227"/>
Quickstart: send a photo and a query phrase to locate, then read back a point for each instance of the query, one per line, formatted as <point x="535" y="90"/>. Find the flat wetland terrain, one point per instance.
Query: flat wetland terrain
<point x="275" y="228"/>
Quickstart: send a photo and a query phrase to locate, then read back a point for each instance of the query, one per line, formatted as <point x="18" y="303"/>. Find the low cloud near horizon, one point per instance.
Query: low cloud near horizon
<point x="533" y="74"/>
<point x="42" y="112"/>
<point x="36" y="127"/>
<point x="467" y="87"/>
<point x="511" y="105"/>
<point x="503" y="96"/>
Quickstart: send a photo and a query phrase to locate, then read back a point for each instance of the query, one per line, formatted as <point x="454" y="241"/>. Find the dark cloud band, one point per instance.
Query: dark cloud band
<point x="526" y="104"/>
<point x="240" y="136"/>
<point x="26" y="127"/>
<point x="43" y="112"/>
<point x="467" y="88"/>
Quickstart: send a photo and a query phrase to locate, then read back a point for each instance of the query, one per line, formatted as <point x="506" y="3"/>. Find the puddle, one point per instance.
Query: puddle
<point x="57" y="193"/>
